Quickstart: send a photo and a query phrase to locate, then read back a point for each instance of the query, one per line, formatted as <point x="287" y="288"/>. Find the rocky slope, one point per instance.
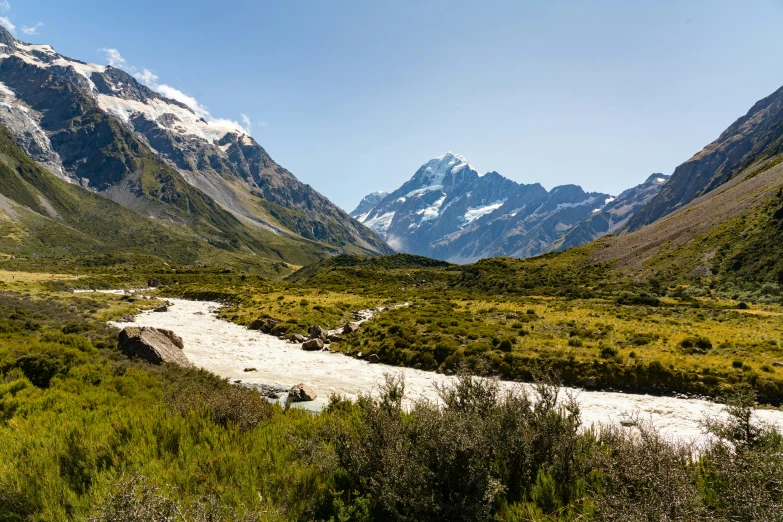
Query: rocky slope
<point x="754" y="137"/>
<point x="449" y="211"/>
<point x="98" y="127"/>
<point x="44" y="219"/>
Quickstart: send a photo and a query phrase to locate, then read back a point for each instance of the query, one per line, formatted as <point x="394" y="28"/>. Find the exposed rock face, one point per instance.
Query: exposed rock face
<point x="615" y="215"/>
<point x="753" y="137"/>
<point x="451" y="212"/>
<point x="313" y="345"/>
<point x="373" y="359"/>
<point x="97" y="126"/>
<point x="301" y="393"/>
<point x="153" y="345"/>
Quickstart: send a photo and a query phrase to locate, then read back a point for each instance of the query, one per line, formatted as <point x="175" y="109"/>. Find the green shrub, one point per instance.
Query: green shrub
<point x="607" y="352"/>
<point x="696" y="344"/>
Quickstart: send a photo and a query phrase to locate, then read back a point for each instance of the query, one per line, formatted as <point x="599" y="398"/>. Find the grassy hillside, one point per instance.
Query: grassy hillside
<point x="47" y="220"/>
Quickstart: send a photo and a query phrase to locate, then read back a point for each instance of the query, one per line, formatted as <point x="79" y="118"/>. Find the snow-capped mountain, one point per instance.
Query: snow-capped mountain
<point x="449" y="211"/>
<point x="99" y="127"/>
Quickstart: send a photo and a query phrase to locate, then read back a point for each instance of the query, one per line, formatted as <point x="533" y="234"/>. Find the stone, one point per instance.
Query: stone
<point x="154" y="345"/>
<point x="73" y="309"/>
<point x="299" y="338"/>
<point x="333" y="338"/>
<point x="316" y="332"/>
<point x="301" y="393"/>
<point x="313" y="345"/>
<point x="350" y="328"/>
<point x="250" y="370"/>
<point x="417" y="366"/>
<point x="163" y="308"/>
<point x="153" y="283"/>
<point x="256" y="324"/>
<point x="448" y="371"/>
<point x="778" y="364"/>
<point x="128" y="319"/>
<point x="373" y="358"/>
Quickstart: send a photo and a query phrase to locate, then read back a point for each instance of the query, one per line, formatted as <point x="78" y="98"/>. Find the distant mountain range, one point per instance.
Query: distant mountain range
<point x="449" y="211"/>
<point x="98" y="128"/>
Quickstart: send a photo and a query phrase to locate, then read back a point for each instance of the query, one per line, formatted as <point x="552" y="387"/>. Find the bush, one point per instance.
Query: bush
<point x="575" y="342"/>
<point x="696" y="344"/>
<point x="460" y="461"/>
<point x="607" y="352"/>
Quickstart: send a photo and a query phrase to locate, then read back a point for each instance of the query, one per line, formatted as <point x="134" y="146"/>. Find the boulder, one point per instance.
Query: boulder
<point x="73" y="309"/>
<point x="777" y="363"/>
<point x="128" y="319"/>
<point x="163" y="308"/>
<point x="316" y="332"/>
<point x="417" y="366"/>
<point x="373" y="358"/>
<point x="153" y="283"/>
<point x="333" y="338"/>
<point x="313" y="345"/>
<point x="350" y="328"/>
<point x="301" y="393"/>
<point x="250" y="370"/>
<point x="298" y="338"/>
<point x="266" y="325"/>
<point x="153" y="345"/>
<point x="256" y="324"/>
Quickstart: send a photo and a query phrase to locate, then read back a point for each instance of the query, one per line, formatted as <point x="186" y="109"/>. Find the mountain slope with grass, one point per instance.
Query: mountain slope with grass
<point x="45" y="219"/>
<point x="753" y="138"/>
<point x="100" y="128"/>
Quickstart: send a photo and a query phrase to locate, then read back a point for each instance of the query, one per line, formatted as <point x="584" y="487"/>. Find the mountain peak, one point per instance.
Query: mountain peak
<point x="6" y="37"/>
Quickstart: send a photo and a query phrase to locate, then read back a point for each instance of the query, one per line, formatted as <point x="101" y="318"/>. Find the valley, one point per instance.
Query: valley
<point x="191" y="333"/>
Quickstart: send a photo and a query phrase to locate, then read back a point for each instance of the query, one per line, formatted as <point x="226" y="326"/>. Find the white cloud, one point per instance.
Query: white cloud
<point x="146" y="77"/>
<point x="114" y="58"/>
<point x="246" y="121"/>
<point x="7" y="23"/>
<point x="150" y="79"/>
<point x="262" y="123"/>
<point x="4" y="6"/>
<point x="31" y="30"/>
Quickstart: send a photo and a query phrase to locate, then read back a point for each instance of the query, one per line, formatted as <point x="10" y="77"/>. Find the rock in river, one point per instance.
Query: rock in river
<point x="301" y="393"/>
<point x="316" y="332"/>
<point x="153" y="345"/>
<point x="313" y="345"/>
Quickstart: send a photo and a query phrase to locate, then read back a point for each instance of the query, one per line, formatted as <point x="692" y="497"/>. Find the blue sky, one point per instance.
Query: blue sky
<point x="354" y="96"/>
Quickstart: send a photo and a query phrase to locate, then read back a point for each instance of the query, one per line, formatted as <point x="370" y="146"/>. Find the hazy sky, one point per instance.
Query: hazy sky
<point x="354" y="96"/>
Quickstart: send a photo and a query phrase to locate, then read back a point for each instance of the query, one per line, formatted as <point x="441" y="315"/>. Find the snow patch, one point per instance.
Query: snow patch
<point x="380" y="224"/>
<point x="572" y="205"/>
<point x="474" y="213"/>
<point x="188" y="123"/>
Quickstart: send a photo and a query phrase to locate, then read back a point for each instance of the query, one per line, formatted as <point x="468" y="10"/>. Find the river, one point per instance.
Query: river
<point x="227" y="349"/>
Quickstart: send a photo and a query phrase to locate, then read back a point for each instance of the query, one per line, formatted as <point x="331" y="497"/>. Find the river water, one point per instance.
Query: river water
<point x="226" y="349"/>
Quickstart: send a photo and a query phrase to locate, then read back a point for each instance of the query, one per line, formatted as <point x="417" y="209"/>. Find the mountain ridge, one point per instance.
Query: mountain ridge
<point x="449" y="211"/>
<point x="97" y="126"/>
